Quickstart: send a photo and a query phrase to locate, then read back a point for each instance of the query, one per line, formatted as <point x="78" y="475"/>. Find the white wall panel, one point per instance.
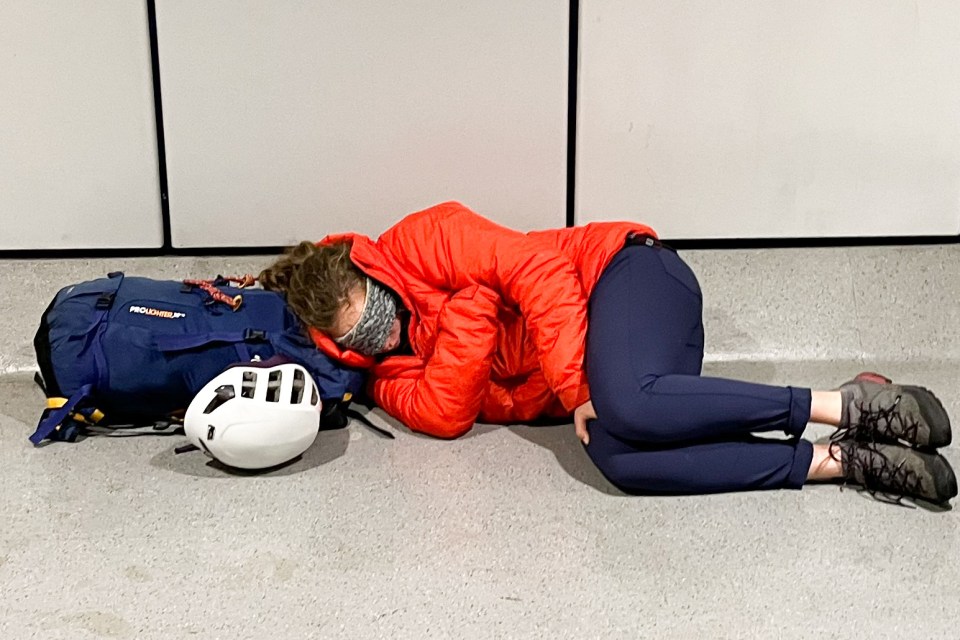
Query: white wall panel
<point x="771" y="118"/>
<point x="78" y="151"/>
<point x="287" y="120"/>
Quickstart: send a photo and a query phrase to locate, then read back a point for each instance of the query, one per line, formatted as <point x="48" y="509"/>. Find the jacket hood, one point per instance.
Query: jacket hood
<point x="374" y="263"/>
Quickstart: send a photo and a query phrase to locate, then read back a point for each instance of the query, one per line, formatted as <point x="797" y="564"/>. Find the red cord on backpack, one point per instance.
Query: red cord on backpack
<point x="243" y="282"/>
<point x="210" y="288"/>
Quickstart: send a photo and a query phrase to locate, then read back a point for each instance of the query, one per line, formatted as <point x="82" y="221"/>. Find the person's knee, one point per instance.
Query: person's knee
<point x="626" y="466"/>
<point x="620" y="475"/>
<point x="610" y="464"/>
<point x="631" y="413"/>
<point x="625" y="471"/>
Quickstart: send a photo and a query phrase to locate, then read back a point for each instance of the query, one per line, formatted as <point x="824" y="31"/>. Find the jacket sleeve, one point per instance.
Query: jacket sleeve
<point x="451" y="247"/>
<point x="445" y="397"/>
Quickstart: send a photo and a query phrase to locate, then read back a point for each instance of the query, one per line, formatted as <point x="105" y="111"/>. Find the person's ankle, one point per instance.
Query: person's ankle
<point x="826" y="464"/>
<point x="827" y="407"/>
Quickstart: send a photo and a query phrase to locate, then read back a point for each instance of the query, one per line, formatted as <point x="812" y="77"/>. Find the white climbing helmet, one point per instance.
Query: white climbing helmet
<point x="255" y="417"/>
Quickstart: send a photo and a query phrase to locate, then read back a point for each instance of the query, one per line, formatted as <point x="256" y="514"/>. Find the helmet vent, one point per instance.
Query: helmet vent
<point x="249" y="384"/>
<point x="314" y="397"/>
<point x="224" y="393"/>
<point x="296" y="393"/>
<point x="273" y="386"/>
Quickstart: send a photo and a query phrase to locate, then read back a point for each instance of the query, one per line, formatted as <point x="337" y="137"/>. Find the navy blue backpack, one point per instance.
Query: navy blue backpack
<point x="129" y="351"/>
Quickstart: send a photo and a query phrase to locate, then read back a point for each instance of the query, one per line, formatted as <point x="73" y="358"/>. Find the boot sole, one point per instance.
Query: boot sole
<point x="945" y="482"/>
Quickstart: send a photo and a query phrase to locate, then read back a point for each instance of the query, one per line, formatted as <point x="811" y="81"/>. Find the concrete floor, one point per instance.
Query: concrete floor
<point x="508" y="532"/>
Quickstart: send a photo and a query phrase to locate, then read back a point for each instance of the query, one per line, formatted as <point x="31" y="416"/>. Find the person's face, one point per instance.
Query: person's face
<point x="350" y="314"/>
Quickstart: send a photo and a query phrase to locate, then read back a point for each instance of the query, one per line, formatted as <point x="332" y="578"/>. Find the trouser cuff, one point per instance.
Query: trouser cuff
<point x="802" y="457"/>
<point x="800" y="399"/>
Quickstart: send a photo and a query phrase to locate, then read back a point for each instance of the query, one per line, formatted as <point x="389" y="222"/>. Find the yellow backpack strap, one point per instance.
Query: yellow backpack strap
<point x="94" y="418"/>
<point x="53" y="419"/>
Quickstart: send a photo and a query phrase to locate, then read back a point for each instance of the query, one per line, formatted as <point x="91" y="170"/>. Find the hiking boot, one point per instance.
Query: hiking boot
<point x="875" y="409"/>
<point x="896" y="472"/>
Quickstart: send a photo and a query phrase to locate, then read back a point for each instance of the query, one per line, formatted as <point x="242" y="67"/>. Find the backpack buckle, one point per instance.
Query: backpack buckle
<point x="105" y="301"/>
<point x="254" y="335"/>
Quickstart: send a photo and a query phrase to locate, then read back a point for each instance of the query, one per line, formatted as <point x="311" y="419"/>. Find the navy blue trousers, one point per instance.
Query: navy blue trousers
<point x="661" y="427"/>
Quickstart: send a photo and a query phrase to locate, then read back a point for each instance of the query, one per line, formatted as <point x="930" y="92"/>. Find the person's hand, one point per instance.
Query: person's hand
<point x="583" y="413"/>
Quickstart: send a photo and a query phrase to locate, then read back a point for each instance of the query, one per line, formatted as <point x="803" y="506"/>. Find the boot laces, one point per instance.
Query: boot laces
<point x="888" y="422"/>
<point x="883" y="480"/>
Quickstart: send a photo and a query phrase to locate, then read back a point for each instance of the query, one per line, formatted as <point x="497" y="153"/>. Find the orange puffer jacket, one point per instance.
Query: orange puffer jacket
<point x="498" y="317"/>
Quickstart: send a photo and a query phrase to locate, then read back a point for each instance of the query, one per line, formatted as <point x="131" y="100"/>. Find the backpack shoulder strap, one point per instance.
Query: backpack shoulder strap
<point x="350" y="413"/>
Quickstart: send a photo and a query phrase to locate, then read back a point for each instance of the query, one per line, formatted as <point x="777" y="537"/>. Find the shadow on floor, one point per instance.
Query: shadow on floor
<point x="556" y="435"/>
<point x="563" y="443"/>
<point x="328" y="446"/>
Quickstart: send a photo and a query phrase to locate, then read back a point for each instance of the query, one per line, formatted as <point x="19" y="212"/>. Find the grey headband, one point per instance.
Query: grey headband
<point x="369" y="336"/>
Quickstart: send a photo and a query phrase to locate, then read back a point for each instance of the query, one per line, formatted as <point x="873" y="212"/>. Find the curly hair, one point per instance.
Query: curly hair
<point x="316" y="280"/>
